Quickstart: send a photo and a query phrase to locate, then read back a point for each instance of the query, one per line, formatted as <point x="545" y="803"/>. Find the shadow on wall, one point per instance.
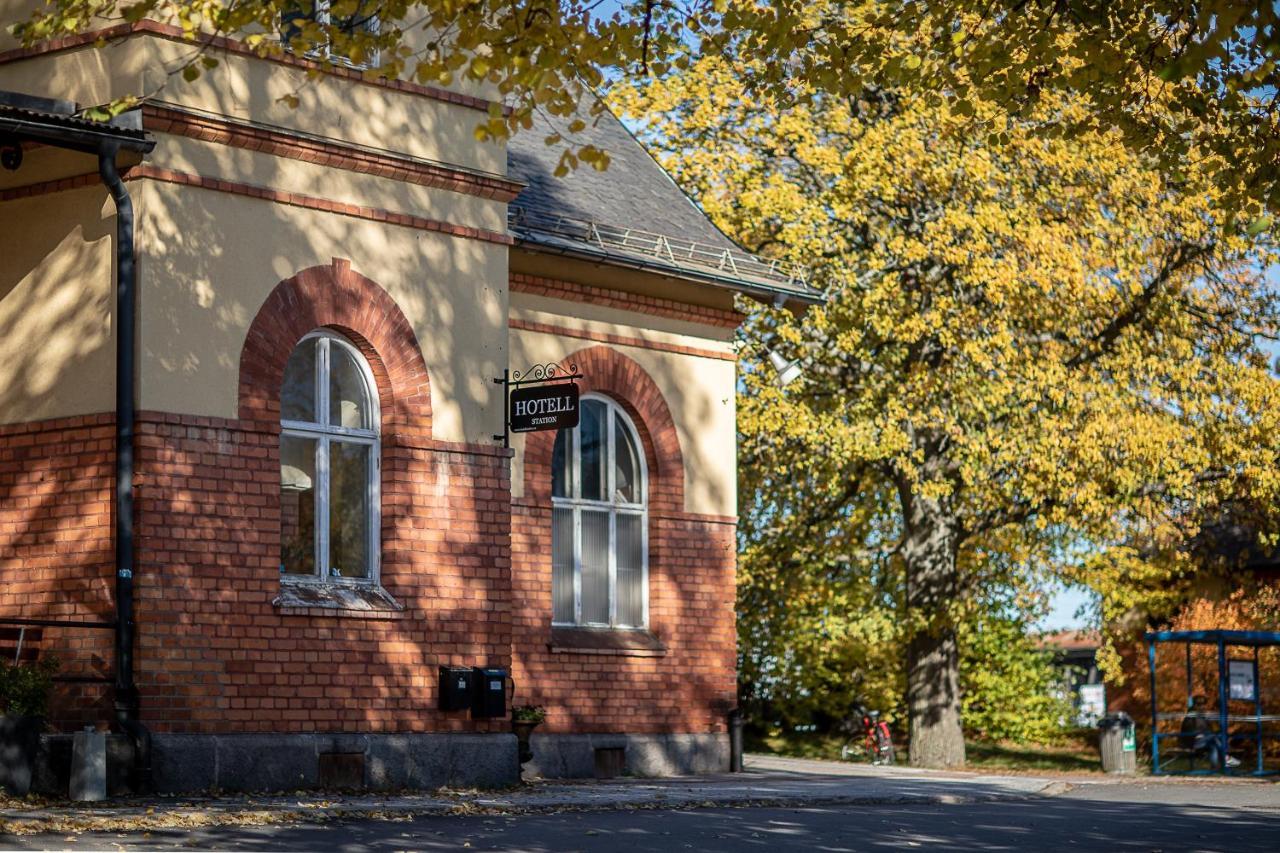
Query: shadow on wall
<point x="212" y="257"/>
<point x="699" y="392"/>
<point x="56" y="306"/>
<point x="691" y="587"/>
<point x="210" y="269"/>
<point x="689" y="690"/>
<point x="57" y="360"/>
<point x="218" y="655"/>
<point x="221" y="656"/>
<point x="56" y="558"/>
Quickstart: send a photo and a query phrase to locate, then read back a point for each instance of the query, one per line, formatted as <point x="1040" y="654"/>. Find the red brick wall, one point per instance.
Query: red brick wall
<point x="56" y="556"/>
<point x="55" y="518"/>
<point x="214" y="654"/>
<point x="691" y="589"/>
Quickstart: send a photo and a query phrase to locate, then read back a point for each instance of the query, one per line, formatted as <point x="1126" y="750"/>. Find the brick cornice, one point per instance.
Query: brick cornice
<point x="242" y="425"/>
<point x="618" y="340"/>
<point x="39" y="188"/>
<point x="173" y="33"/>
<point x="257" y="426"/>
<point x="592" y="295"/>
<point x="97" y="419"/>
<point x="535" y="505"/>
<point x="170" y="176"/>
<point x="310" y="202"/>
<point x="282" y="143"/>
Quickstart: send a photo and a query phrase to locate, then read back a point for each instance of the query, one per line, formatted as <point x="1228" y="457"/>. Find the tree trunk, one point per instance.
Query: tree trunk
<point x="933" y="661"/>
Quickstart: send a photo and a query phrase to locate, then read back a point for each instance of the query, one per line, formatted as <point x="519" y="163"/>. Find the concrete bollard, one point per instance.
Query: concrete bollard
<point x="89" y="766"/>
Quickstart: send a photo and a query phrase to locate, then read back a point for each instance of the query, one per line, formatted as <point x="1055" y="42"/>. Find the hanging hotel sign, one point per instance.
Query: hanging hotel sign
<point x="540" y="407"/>
<point x="541" y="398"/>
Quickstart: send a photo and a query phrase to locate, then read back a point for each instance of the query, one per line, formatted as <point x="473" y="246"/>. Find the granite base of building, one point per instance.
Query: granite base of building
<point x="567" y="756"/>
<point x="53" y="765"/>
<point x="272" y="762"/>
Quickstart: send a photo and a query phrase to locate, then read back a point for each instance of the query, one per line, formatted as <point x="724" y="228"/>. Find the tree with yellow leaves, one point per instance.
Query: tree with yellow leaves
<point x="1040" y="356"/>
<point x="1182" y="81"/>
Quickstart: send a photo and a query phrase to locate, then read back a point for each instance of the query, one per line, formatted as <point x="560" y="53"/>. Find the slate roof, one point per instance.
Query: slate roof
<point x="632" y="214"/>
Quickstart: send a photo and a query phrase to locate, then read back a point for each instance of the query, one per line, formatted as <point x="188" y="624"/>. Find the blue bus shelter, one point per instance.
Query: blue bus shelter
<point x="1238" y="684"/>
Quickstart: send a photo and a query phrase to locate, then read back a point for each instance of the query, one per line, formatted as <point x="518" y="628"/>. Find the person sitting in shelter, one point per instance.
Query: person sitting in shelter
<point x="1199" y="736"/>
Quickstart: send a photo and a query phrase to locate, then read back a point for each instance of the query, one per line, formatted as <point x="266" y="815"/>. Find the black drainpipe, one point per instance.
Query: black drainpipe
<point x="126" y="692"/>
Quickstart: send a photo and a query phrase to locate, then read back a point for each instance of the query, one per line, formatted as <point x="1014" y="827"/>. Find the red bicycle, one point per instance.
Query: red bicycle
<point x="869" y="741"/>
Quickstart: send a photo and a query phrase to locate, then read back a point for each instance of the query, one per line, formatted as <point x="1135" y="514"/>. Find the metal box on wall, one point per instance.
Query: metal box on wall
<point x="490" y="693"/>
<point x="457" y="684"/>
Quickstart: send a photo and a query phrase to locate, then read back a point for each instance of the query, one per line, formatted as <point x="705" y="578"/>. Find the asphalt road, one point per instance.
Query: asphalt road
<point x="1094" y="818"/>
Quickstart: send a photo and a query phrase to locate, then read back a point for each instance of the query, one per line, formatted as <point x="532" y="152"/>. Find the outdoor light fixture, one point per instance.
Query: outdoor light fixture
<point x="788" y="371"/>
<point x="10" y="155"/>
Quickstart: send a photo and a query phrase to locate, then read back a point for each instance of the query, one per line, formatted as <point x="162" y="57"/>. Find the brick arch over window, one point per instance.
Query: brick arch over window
<point x="336" y="297"/>
<point x="606" y="371"/>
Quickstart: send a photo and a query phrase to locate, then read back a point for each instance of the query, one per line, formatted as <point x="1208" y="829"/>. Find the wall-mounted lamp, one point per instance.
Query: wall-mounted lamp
<point x="788" y="371"/>
<point x="10" y="155"/>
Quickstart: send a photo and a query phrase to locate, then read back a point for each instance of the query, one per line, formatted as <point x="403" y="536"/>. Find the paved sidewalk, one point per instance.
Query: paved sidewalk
<point x="768" y="781"/>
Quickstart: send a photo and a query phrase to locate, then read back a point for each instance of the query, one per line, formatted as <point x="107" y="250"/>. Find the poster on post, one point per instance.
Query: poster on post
<point x="1242" y="680"/>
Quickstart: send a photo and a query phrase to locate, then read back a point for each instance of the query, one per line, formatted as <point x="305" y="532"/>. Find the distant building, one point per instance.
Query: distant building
<point x="1076" y="656"/>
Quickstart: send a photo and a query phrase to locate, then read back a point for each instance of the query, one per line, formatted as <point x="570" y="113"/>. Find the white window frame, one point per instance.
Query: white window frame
<point x="323" y="434"/>
<point x="577" y="504"/>
<point x="373" y="25"/>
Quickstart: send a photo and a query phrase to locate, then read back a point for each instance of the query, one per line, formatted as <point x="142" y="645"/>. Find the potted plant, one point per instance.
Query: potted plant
<point x="24" y="701"/>
<point x="524" y="719"/>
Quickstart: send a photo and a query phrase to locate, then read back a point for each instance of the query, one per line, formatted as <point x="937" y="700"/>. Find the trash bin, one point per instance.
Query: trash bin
<point x="1118" y="744"/>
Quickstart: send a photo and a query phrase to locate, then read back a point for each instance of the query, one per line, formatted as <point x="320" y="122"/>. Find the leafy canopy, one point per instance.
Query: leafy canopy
<point x="1192" y="83"/>
<point x="1050" y="337"/>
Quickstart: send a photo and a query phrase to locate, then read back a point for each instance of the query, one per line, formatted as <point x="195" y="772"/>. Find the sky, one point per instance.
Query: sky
<point x="1062" y="614"/>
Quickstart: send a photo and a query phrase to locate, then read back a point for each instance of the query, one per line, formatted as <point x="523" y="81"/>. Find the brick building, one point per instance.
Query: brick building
<point x="319" y="511"/>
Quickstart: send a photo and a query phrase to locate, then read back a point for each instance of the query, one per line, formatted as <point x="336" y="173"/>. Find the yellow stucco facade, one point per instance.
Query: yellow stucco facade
<point x="698" y="389"/>
<point x="210" y="254"/>
<point x="56" y="306"/>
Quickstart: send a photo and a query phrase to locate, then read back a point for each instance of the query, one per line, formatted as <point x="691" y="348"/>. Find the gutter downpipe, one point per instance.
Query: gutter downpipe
<point x="126" y="692"/>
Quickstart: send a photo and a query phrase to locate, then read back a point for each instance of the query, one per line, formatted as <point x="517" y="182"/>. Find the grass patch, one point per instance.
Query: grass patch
<point x="1077" y="754"/>
<point x="796" y="744"/>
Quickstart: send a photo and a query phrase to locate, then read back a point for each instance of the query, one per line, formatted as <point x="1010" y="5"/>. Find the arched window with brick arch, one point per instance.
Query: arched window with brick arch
<point x="371" y="398"/>
<point x="599" y="537"/>
<point x="329" y="459"/>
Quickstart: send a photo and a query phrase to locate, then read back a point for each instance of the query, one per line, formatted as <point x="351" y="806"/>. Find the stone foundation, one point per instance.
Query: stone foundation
<point x="273" y="762"/>
<point x="569" y="756"/>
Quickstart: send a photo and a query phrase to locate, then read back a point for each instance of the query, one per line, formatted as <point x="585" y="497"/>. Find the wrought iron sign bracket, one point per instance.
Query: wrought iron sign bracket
<point x="540" y="374"/>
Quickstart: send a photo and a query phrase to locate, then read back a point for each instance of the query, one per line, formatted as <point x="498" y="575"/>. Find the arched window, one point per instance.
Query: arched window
<point x="329" y="452"/>
<point x="599" y="531"/>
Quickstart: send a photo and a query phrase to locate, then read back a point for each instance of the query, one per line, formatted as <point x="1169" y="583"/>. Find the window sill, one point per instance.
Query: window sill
<point x="627" y="642"/>
<point x="356" y="601"/>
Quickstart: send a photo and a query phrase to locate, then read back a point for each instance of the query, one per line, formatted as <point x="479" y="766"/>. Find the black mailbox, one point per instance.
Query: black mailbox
<point x="457" y="684"/>
<point x="490" y="696"/>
